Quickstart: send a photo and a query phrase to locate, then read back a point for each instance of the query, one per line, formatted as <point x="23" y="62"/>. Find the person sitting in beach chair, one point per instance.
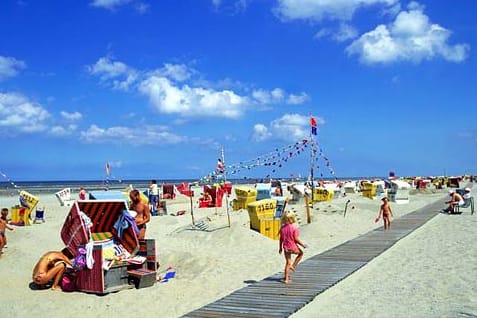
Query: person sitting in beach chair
<point x="50" y="267"/>
<point x="206" y="200"/>
<point x="456" y="199"/>
<point x="468" y="202"/>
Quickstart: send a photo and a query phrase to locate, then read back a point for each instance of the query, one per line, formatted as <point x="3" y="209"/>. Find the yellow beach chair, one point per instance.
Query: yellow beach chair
<point x="21" y="214"/>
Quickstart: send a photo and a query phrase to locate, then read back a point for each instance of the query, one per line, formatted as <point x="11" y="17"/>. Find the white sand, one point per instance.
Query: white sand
<point x="210" y="265"/>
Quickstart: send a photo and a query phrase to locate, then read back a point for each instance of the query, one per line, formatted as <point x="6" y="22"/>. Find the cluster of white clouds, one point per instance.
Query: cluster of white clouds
<point x="144" y="135"/>
<point x="139" y="6"/>
<point x="289" y="127"/>
<point x="178" y="89"/>
<point x="10" y="67"/>
<point x="411" y="36"/>
<point x="172" y="90"/>
<point x="19" y="112"/>
<point x="319" y="10"/>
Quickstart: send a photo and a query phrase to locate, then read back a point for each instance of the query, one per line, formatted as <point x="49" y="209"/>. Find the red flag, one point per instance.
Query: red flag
<point x="313" y="122"/>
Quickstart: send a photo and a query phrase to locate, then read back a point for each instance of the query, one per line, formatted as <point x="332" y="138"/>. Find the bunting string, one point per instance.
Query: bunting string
<point x="277" y="159"/>
<point x="9" y="180"/>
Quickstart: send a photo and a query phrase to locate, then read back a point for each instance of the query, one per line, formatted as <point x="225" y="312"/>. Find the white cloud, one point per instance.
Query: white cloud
<point x="144" y="135"/>
<point x="71" y="116"/>
<point x="140" y="7"/>
<point x="10" y="66"/>
<point x="172" y="90"/>
<point x="260" y="133"/>
<point x="22" y="115"/>
<point x="121" y="75"/>
<point x="109" y="4"/>
<point x="411" y="37"/>
<point x="176" y="72"/>
<point x="191" y="101"/>
<point x="343" y="33"/>
<point x="317" y="10"/>
<point x="61" y="131"/>
<point x="268" y="97"/>
<point x="297" y="99"/>
<point x="289" y="127"/>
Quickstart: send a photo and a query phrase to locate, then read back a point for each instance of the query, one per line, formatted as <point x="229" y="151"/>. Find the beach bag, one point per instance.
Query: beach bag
<point x="68" y="283"/>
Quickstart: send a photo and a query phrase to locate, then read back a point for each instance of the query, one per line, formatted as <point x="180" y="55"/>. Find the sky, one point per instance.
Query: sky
<point x="157" y="89"/>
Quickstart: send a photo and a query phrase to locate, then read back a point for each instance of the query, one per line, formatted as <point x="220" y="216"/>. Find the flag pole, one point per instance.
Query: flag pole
<point x="225" y="181"/>
<point x="312" y="161"/>
<point x="191" y="204"/>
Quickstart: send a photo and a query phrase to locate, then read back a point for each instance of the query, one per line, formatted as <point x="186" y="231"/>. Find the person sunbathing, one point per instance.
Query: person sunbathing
<point x="50" y="267"/>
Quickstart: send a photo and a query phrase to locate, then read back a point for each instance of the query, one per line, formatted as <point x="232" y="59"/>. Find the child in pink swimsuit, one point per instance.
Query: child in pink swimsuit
<point x="289" y="243"/>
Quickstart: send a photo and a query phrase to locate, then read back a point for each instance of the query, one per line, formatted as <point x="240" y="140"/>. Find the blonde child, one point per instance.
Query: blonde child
<point x="386" y="213"/>
<point x="289" y="243"/>
<point x="3" y="226"/>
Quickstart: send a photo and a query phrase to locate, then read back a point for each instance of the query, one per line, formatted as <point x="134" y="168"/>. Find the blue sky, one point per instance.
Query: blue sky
<point x="157" y="88"/>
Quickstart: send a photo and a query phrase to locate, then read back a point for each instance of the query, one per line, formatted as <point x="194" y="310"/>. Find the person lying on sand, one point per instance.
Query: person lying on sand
<point x="51" y="266"/>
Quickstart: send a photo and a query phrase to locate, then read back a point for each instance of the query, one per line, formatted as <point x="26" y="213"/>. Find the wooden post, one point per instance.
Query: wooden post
<point x="191" y="204"/>
<point x="225" y="182"/>
<point x="308" y="216"/>
<point x="346" y="207"/>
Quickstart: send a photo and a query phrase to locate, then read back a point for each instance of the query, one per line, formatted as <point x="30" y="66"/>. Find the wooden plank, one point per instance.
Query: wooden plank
<point x="271" y="298"/>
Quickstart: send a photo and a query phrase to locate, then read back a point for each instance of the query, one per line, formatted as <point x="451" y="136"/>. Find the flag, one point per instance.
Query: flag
<point x="220" y="167"/>
<point x="314" y="129"/>
<point x="108" y="169"/>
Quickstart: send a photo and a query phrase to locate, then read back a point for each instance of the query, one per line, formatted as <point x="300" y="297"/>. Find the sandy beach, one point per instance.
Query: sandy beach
<point x="427" y="274"/>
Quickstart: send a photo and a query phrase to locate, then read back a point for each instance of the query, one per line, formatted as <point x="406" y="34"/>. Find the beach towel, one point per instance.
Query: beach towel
<point x="124" y="221"/>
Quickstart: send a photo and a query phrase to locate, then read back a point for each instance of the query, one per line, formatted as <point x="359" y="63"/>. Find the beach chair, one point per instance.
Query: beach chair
<point x="64" y="197"/>
<point x="21" y="213"/>
<point x="468" y="203"/>
<point x="168" y="191"/>
<point x="104" y="215"/>
<point x="39" y="215"/>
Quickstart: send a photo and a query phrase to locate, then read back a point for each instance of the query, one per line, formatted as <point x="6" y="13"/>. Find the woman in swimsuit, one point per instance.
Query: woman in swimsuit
<point x="51" y="266"/>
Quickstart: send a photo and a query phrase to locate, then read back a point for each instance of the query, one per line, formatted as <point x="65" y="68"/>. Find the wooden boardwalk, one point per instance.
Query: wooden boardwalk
<point x="271" y="298"/>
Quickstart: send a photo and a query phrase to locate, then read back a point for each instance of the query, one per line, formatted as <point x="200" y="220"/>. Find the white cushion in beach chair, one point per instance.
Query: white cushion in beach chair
<point x="64" y="196"/>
